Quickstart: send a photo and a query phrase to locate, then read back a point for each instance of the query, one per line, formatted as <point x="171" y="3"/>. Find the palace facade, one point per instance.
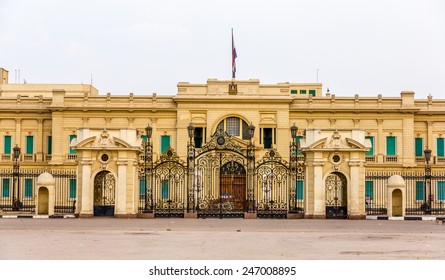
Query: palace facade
<point x="227" y="148"/>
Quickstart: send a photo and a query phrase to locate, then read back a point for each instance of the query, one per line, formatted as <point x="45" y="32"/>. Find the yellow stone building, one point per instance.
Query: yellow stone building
<point x="88" y="154"/>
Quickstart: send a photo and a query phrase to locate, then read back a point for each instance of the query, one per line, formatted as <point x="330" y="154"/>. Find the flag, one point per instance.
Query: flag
<point x="233" y="58"/>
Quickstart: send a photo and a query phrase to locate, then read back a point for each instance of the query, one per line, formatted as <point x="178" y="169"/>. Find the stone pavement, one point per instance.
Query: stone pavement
<point x="207" y="239"/>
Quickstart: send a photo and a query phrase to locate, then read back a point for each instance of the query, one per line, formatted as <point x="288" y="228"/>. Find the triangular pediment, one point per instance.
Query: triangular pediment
<point x="335" y="142"/>
<point x="102" y="141"/>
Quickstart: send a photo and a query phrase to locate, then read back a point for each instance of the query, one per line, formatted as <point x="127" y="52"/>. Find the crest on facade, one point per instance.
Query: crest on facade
<point x="105" y="140"/>
<point x="233" y="88"/>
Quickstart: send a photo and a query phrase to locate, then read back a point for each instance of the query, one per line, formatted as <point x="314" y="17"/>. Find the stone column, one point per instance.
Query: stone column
<point x="86" y="188"/>
<point x="319" y="191"/>
<point x="355" y="184"/>
<point x="39" y="140"/>
<point x="121" y="189"/>
<point x="18" y="128"/>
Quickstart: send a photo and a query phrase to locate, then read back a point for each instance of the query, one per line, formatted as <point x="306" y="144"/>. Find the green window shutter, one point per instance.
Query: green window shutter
<point x="300" y="189"/>
<point x="419" y="147"/>
<point x="72" y="151"/>
<point x="7" y="145"/>
<point x="49" y="147"/>
<point x="441" y="190"/>
<point x="390" y="146"/>
<point x="302" y="91"/>
<point x="165" y="143"/>
<point x="165" y="189"/>
<point x="293" y="91"/>
<point x="312" y="92"/>
<point x="144" y="138"/>
<point x="28" y="187"/>
<point x="142" y="187"/>
<point x="73" y="188"/>
<point x="5" y="189"/>
<point x="29" y="145"/>
<point x="297" y="140"/>
<point x="371" y="151"/>
<point x="420" y="186"/>
<point x="369" y="190"/>
<point x="440" y="147"/>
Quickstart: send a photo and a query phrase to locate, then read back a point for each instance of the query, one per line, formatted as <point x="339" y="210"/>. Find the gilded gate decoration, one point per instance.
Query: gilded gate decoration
<point x="272" y="178"/>
<point x="336" y="198"/>
<point x="169" y="185"/>
<point x="104" y="194"/>
<point x="221" y="178"/>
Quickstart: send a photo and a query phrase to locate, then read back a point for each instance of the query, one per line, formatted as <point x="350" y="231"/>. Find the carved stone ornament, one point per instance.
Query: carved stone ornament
<point x="105" y="140"/>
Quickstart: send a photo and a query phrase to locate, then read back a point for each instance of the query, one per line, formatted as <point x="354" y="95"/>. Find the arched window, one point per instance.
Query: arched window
<point x="235" y="126"/>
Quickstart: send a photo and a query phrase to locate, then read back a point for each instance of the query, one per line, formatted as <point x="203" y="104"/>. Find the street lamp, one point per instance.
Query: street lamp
<point x="251" y="168"/>
<point x="16" y="203"/>
<point x="427" y="204"/>
<point x="190" y="169"/>
<point x="293" y="164"/>
<point x="148" y="161"/>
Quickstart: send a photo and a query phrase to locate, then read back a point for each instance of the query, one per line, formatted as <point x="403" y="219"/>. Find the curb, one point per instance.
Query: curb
<point x="406" y="218"/>
<point x="37" y="216"/>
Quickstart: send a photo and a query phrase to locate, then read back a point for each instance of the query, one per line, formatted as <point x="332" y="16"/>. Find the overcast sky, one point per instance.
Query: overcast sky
<point x="364" y="47"/>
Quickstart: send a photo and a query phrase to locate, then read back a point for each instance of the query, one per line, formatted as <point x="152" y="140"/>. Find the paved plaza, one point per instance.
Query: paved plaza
<point x="205" y="239"/>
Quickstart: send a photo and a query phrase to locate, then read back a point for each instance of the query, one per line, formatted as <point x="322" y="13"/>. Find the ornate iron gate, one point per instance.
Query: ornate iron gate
<point x="169" y="185"/>
<point x="273" y="182"/>
<point x="336" y="198"/>
<point x="222" y="178"/>
<point x="104" y="194"/>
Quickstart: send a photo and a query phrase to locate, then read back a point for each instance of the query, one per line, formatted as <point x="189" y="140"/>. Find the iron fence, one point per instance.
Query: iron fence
<point x="416" y="198"/>
<point x="18" y="191"/>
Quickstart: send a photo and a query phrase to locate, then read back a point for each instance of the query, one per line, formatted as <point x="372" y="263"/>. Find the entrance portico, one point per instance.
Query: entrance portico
<point x="107" y="171"/>
<point x="335" y="173"/>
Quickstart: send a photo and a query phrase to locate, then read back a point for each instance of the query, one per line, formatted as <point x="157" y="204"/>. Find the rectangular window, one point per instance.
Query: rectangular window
<point x="49" y="146"/>
<point x="198" y="137"/>
<point x="418" y="147"/>
<point x="72" y="151"/>
<point x="7" y="145"/>
<point x="73" y="188"/>
<point x="302" y="91"/>
<point x="28" y="187"/>
<point x="5" y="188"/>
<point x="312" y="92"/>
<point x="293" y="91"/>
<point x="420" y="190"/>
<point x="371" y="151"/>
<point x="440" y="147"/>
<point x="233" y="126"/>
<point x="165" y="189"/>
<point x="441" y="190"/>
<point x="300" y="189"/>
<point x="165" y="143"/>
<point x="267" y="138"/>
<point x="390" y="146"/>
<point x="29" y="145"/>
<point x="369" y="190"/>
<point x="142" y="187"/>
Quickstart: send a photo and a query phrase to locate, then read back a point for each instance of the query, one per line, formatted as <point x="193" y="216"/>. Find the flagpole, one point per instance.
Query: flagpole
<point x="233" y="58"/>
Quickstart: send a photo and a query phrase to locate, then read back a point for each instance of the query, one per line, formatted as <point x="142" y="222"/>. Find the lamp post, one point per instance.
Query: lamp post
<point x="148" y="165"/>
<point x="293" y="148"/>
<point x="16" y="203"/>
<point x="251" y="169"/>
<point x="190" y="169"/>
<point x="428" y="196"/>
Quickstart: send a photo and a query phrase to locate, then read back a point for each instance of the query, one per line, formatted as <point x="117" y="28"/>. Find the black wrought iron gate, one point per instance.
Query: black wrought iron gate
<point x="104" y="194"/>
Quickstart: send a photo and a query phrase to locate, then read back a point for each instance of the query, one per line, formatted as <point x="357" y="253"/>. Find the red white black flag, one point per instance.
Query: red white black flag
<point x="233" y="58"/>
